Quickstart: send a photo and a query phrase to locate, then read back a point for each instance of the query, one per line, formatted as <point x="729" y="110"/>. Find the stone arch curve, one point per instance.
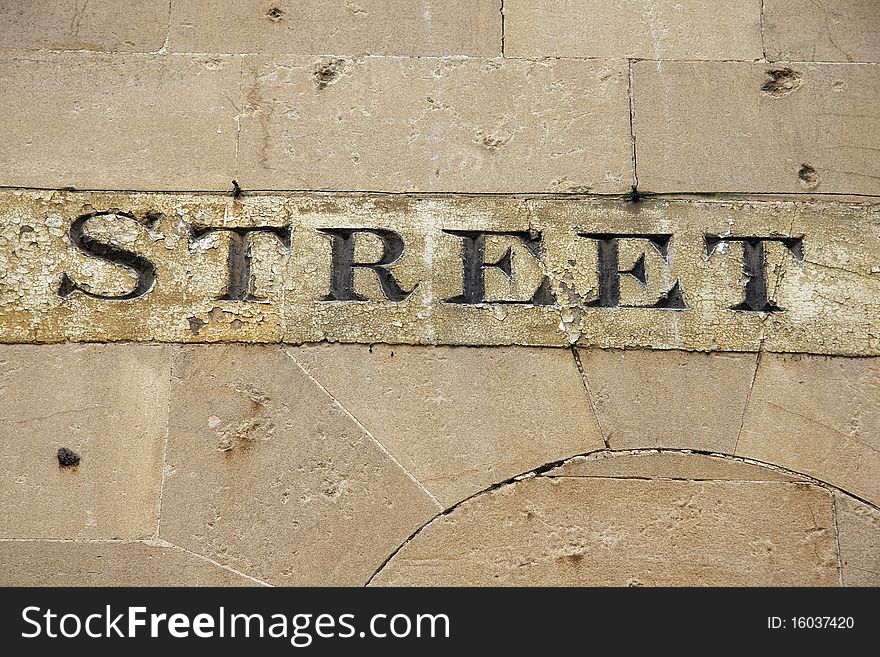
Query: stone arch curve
<point x="647" y="517"/>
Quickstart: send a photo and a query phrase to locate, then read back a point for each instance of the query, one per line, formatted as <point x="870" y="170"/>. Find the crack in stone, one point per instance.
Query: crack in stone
<point x="585" y="382"/>
<point x="543" y="469"/>
<point x="748" y="401"/>
<point x="366" y="431"/>
<point x="836" y="524"/>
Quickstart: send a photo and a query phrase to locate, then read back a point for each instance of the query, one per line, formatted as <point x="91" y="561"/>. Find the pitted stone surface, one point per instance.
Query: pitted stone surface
<point x="641" y="29"/>
<point x="388" y="27"/>
<point x="626" y="532"/>
<point x="267" y="474"/>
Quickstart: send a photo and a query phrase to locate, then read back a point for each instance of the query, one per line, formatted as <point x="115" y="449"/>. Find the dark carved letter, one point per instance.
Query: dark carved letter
<point x="240" y="286"/>
<point x="342" y="264"/>
<point x="143" y="268"/>
<point x="473" y="256"/>
<point x="754" y="261"/>
<point x="609" y="271"/>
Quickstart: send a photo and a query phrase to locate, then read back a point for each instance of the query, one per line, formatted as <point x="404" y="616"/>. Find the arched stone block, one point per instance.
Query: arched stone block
<point x="650" y="518"/>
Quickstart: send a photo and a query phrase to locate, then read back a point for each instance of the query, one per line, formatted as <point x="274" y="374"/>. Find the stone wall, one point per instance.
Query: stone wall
<point x="441" y="292"/>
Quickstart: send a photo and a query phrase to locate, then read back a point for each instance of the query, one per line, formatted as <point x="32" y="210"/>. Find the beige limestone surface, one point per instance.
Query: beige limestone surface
<point x="670" y="399"/>
<point x="859" y="531"/>
<point x="817" y="416"/>
<point x="295" y="463"/>
<point x="818" y="272"/>
<point x="625" y="532"/>
<point x="118" y="121"/>
<point x="99" y="25"/>
<point x="757" y="128"/>
<point x="435" y="124"/>
<point x="105" y="404"/>
<point x="665" y="464"/>
<point x="640" y="29"/>
<point x="461" y="418"/>
<point x="831" y="30"/>
<point x="267" y="474"/>
<point x="94" y="563"/>
<point x="388" y="27"/>
<point x="197" y="121"/>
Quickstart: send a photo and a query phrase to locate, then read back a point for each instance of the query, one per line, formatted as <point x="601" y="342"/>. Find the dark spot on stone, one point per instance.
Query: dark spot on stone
<point x="808" y="176"/>
<point x="573" y="559"/>
<point x="326" y="73"/>
<point x="632" y="196"/>
<point x="781" y="82"/>
<point x="195" y="325"/>
<point x="274" y="14"/>
<point x="67" y="458"/>
<point x="495" y="141"/>
<point x="152" y="218"/>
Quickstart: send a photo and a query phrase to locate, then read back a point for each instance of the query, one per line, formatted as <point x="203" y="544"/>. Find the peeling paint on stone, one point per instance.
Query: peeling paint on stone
<point x="704" y="275"/>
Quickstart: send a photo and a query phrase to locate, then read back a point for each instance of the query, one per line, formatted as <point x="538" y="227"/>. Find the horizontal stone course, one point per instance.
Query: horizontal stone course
<point x="831" y="30"/>
<point x="757" y="128"/>
<point x="178" y="122"/>
<point x="183" y="270"/>
<point x="435" y="124"/>
<point x="388" y="27"/>
<point x="642" y="29"/>
<point x="101" y="26"/>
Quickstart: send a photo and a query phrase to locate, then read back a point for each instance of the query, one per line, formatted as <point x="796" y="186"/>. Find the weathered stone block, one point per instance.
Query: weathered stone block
<point x="389" y="27"/>
<point x="72" y="563"/>
<point x="105" y="406"/>
<point x="859" y="537"/>
<point x="581" y="531"/>
<point x="461" y="419"/>
<point x="831" y="30"/>
<point x="686" y="275"/>
<point x="104" y="26"/>
<point x="113" y="121"/>
<point x="819" y="416"/>
<point x="435" y="124"/>
<point x="670" y="399"/>
<point x="667" y="465"/>
<point x="266" y="473"/>
<point x="752" y="127"/>
<point x="641" y="29"/>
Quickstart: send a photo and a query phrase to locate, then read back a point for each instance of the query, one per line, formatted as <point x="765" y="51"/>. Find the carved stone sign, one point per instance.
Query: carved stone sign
<point x="669" y="274"/>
